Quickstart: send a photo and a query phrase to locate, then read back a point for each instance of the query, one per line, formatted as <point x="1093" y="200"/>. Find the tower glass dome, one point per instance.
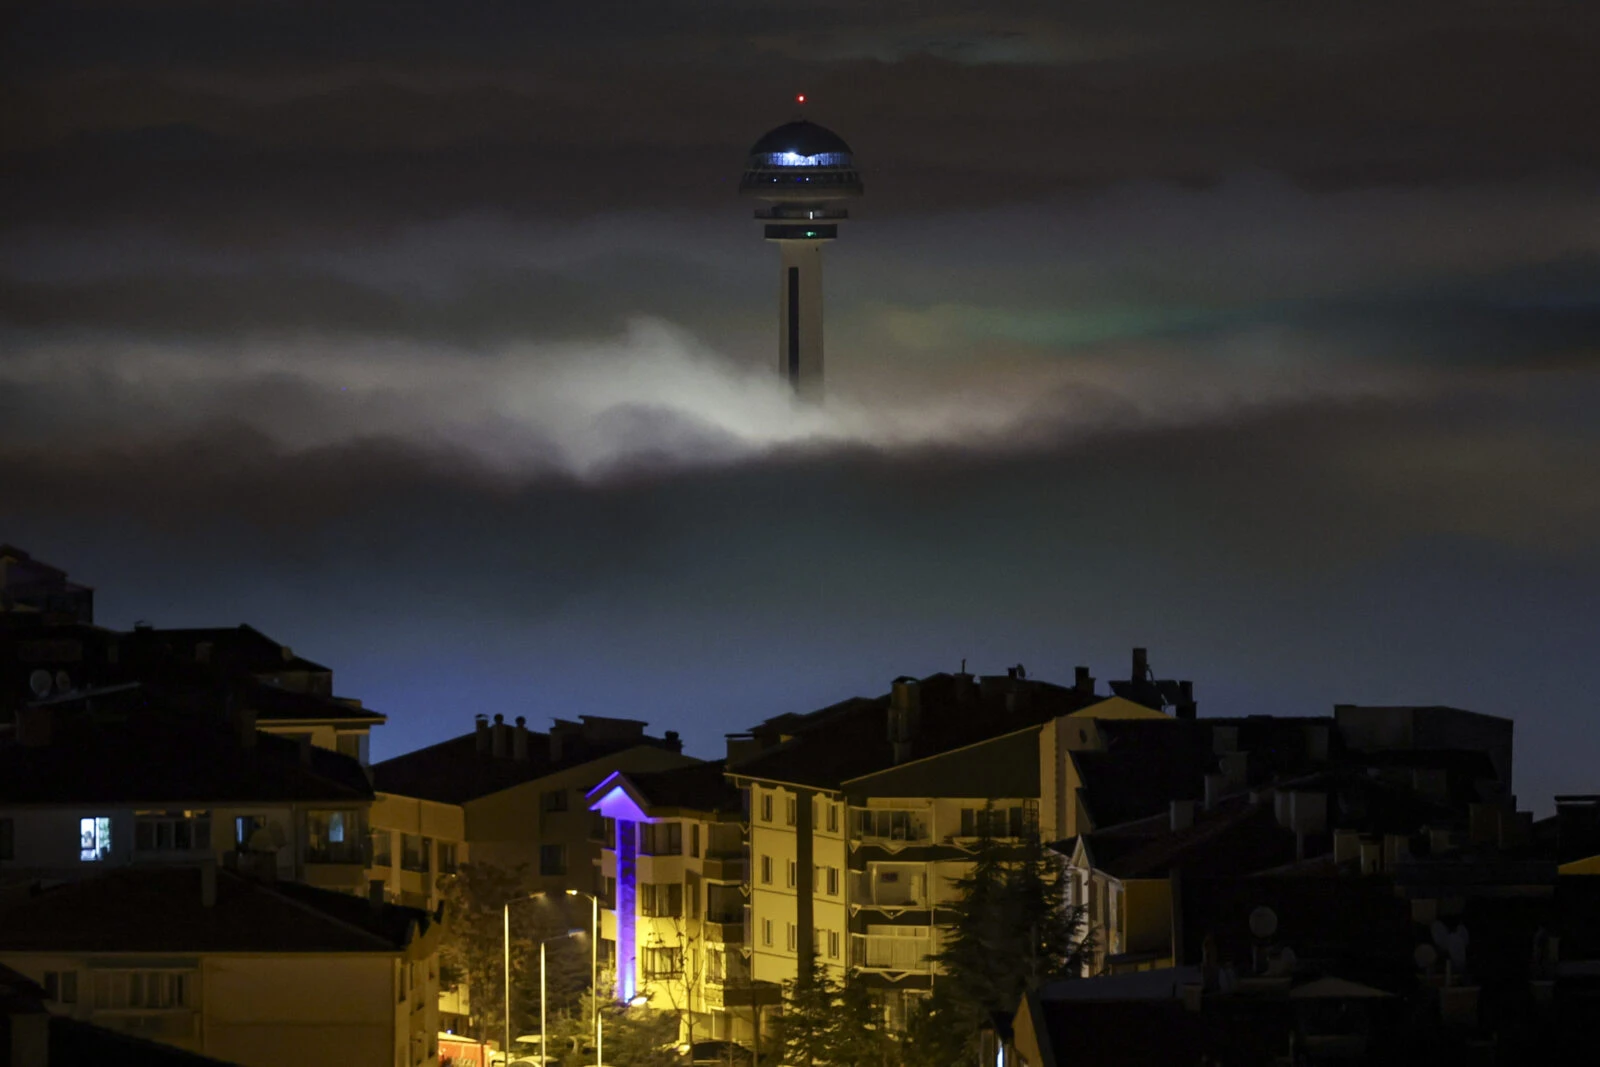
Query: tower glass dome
<point x="800" y="161"/>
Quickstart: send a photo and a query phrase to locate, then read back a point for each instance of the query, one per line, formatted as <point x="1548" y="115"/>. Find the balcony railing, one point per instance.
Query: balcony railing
<point x="890" y="827"/>
<point x="357" y="852"/>
<point x="724" y="868"/>
<point x="728" y="930"/>
<point x="880" y="952"/>
<point x="879" y="888"/>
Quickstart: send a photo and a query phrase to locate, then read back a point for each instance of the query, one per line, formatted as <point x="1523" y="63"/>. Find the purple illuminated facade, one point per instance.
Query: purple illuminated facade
<point x="616" y="804"/>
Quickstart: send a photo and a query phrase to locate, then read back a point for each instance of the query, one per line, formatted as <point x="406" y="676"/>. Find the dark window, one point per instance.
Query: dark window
<point x="414" y="853"/>
<point x="663" y="901"/>
<point x="382" y="844"/>
<point x="552" y="859"/>
<point x="171" y="831"/>
<point x="602" y="829"/>
<point x="661" y="839"/>
<point x="447" y="857"/>
<point x="555" y="800"/>
<point x="61" y="986"/>
<point x="662" y="962"/>
<point x="694" y="840"/>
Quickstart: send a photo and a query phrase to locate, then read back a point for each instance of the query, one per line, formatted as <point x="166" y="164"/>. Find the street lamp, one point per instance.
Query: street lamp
<point x="544" y="1047"/>
<point x="506" y="935"/>
<point x="594" y="970"/>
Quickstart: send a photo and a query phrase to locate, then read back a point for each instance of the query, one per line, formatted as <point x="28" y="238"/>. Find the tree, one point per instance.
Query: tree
<point x="1011" y="931"/>
<point x="640" y="1037"/>
<point x="862" y="1039"/>
<point x="808" y="1029"/>
<point x="681" y="988"/>
<point x="472" y="950"/>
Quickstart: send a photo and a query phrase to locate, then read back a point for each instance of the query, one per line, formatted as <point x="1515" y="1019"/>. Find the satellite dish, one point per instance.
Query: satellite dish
<point x="63" y="682"/>
<point x="39" y="682"/>
<point x="1263" y="922"/>
<point x="1425" y="956"/>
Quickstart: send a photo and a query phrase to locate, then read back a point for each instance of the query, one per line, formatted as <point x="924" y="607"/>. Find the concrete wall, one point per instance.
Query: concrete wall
<point x="273" y="1010"/>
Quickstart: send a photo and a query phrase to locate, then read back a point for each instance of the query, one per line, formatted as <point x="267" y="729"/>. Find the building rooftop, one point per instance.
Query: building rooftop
<point x="163" y="909"/>
<point x="465" y="768"/>
<point x="850" y="739"/>
<point x="702" y="787"/>
<point x="126" y="752"/>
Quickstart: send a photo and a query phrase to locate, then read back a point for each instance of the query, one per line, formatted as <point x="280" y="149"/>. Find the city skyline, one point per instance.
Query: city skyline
<point x="443" y="353"/>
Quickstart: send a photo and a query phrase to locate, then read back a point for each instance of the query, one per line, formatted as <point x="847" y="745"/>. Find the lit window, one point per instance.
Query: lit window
<point x="94" y="839"/>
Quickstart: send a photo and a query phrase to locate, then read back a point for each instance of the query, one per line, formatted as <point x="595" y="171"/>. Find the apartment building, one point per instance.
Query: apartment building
<point x="242" y="968"/>
<point x="671" y="879"/>
<point x="125" y="781"/>
<point x="511" y="795"/>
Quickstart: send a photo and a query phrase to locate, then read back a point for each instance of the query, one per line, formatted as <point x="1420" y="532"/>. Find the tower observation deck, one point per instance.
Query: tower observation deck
<point x="802" y="174"/>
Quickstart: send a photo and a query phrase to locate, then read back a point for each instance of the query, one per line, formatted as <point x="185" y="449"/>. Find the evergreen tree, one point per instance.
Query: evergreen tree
<point x="861" y="1040"/>
<point x="807" y="1031"/>
<point x="1010" y="932"/>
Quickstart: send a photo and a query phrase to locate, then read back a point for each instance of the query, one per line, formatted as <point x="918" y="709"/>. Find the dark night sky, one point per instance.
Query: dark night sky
<point x="432" y="339"/>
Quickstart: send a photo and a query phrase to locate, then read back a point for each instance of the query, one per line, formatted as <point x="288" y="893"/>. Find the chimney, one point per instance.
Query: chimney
<point x="33" y="727"/>
<point x="558" y="742"/>
<point x="1187" y="708"/>
<point x="905" y="712"/>
<point x="1083" y="681"/>
<point x="481" y="730"/>
<point x="1141" y="665"/>
<point x="1182" y="814"/>
<point x="674" y="743"/>
<point x="497" y="740"/>
<point x="519" y="740"/>
<point x="208" y="884"/>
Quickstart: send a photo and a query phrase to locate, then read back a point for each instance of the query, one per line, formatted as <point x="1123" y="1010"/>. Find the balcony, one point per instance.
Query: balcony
<point x="890" y="828"/>
<point x="890" y="952"/>
<point x="355" y="852"/>
<point x="724" y="868"/>
<point x="728" y="931"/>
<point x="897" y="887"/>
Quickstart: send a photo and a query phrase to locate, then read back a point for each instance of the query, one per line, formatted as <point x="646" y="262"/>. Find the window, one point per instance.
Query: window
<point x="244" y="828"/>
<point x="661" y="839"/>
<point x="833" y="881"/>
<point x="447" y="857"/>
<point x="151" y="990"/>
<point x="794" y="936"/>
<point x="691" y="892"/>
<point x="171" y="831"/>
<point x="791" y="883"/>
<point x="662" y="962"/>
<point x="335" y="837"/>
<point x="555" y="800"/>
<point x="382" y="848"/>
<point x="663" y="901"/>
<point x="1016" y="821"/>
<point x="8" y="840"/>
<point x="766" y="932"/>
<point x="791" y="810"/>
<point x="833" y="818"/>
<point x="608" y="894"/>
<point x="602" y="829"/>
<point x="694" y="840"/>
<point x="766" y="870"/>
<point x="61" y="986"/>
<point x="414" y="853"/>
<point x="766" y="807"/>
<point x="94" y="839"/>
<point x="552" y="860"/>
<point x="816" y="879"/>
<point x="833" y="944"/>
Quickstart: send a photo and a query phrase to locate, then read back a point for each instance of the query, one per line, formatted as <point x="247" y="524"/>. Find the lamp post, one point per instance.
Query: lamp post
<point x="594" y="971"/>
<point x="544" y="1049"/>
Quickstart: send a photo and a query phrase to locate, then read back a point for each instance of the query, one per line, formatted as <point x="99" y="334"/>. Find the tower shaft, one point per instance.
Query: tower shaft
<point x="800" y="317"/>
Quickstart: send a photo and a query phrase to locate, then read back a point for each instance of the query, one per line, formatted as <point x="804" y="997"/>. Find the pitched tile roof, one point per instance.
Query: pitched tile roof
<point x="162" y="758"/>
<point x="160" y="909"/>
